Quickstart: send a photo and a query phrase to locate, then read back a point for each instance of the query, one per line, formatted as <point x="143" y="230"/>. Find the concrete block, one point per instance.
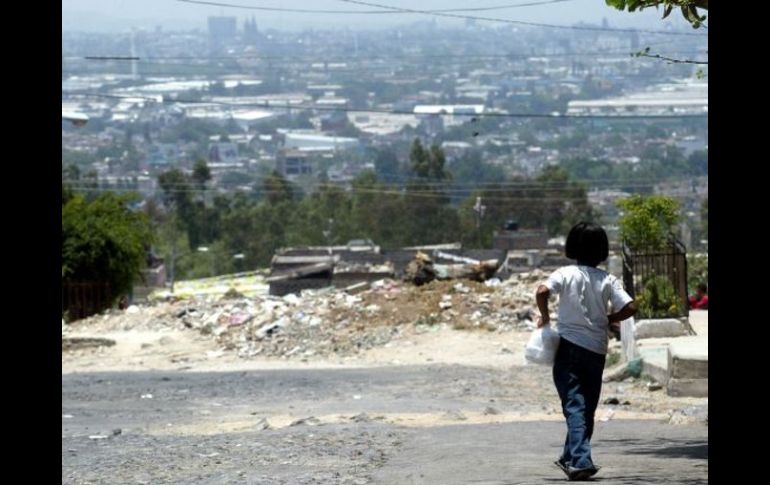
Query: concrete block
<point x="660" y="328"/>
<point x="655" y="362"/>
<point x="689" y="359"/>
<point x="688" y="387"/>
<point x="688" y="371"/>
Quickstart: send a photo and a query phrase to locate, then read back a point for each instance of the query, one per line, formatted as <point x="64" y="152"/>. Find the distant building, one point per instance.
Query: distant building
<point x="161" y="154"/>
<point x="685" y="97"/>
<point x="334" y="121"/>
<point x="319" y="143"/>
<point x="293" y="163"/>
<point x="223" y="152"/>
<point x="511" y="237"/>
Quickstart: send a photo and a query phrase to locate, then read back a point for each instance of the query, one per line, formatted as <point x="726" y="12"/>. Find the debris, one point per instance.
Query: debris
<point x="361" y="418"/>
<point x="654" y="386"/>
<point x="623" y="372"/>
<point x="357" y="288"/>
<point x="239" y="319"/>
<point x="312" y="420"/>
<point x="612" y="400"/>
<point x="98" y="437"/>
<point x="146" y="396"/>
<point x="262" y="424"/>
<point x="455" y="415"/>
<point x="490" y="410"/>
<point x="420" y="270"/>
<point x="328" y="321"/>
<point x="117" y="432"/>
<point x="232" y="294"/>
<point x="78" y="343"/>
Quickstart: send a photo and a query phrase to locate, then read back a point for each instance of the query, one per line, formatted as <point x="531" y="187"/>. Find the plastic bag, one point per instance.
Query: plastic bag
<point x="542" y="346"/>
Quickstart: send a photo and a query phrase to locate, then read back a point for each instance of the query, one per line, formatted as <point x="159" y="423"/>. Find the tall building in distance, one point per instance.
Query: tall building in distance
<point x="250" y="30"/>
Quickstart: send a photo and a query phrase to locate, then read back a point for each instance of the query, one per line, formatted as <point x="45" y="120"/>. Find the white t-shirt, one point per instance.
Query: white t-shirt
<point x="585" y="294"/>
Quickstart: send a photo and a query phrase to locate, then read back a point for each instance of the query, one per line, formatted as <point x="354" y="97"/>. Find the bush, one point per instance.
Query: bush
<point x="103" y="241"/>
<point x="659" y="299"/>
<point x="648" y="222"/>
<point x="697" y="270"/>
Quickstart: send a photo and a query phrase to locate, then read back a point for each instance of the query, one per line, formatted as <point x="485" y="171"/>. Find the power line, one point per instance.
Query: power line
<point x="85" y="187"/>
<point x="550" y="186"/>
<point x="370" y="12"/>
<point x="284" y="106"/>
<point x="315" y="58"/>
<point x="520" y="22"/>
<point x="256" y="189"/>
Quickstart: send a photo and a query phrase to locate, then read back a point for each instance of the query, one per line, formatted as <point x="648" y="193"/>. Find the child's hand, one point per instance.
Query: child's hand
<point x="543" y="321"/>
<point x="615" y="330"/>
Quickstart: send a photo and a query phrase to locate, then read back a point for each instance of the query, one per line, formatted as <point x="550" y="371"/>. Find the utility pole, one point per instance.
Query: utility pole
<point x="173" y="262"/>
<point x="479" y="209"/>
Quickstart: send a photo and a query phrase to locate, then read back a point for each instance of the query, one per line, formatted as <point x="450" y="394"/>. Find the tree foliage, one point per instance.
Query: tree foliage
<point x="689" y="8"/>
<point x="104" y="241"/>
<point x="648" y="222"/>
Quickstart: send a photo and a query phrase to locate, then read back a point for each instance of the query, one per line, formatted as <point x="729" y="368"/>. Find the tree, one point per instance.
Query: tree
<point x="564" y="202"/>
<point x="430" y="219"/>
<point x="427" y="164"/>
<point x="104" y="241"/>
<point x="201" y="174"/>
<point x="648" y="222"/>
<point x="689" y="8"/>
<point x="276" y="188"/>
<point x="178" y="189"/>
<point x="698" y="162"/>
<point x="470" y="169"/>
<point x="386" y="165"/>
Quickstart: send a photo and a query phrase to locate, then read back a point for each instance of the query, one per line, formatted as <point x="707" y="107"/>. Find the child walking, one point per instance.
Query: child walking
<point x="584" y="324"/>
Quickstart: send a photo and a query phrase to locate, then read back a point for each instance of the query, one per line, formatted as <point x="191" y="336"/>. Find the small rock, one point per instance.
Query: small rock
<point x="117" y="431"/>
<point x="262" y="424"/>
<point x="232" y="294"/>
<point x="654" y="386"/>
<point x="455" y="415"/>
<point x="312" y="420"/>
<point x="490" y="410"/>
<point x="612" y="400"/>
<point x="361" y="418"/>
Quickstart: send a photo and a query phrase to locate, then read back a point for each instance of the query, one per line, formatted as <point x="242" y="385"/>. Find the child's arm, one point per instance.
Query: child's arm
<point x="615" y="318"/>
<point x="541" y="296"/>
<point x="627" y="311"/>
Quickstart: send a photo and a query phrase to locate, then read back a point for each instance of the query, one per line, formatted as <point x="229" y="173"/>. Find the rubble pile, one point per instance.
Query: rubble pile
<point x="332" y="321"/>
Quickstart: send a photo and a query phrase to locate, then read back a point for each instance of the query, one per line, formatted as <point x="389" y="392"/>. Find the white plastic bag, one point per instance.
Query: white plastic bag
<point x="542" y="346"/>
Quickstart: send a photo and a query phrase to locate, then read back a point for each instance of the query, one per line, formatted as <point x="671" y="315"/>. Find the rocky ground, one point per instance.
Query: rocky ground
<point x="331" y="387"/>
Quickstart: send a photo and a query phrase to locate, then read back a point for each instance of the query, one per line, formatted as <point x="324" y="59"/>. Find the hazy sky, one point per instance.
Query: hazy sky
<point x="121" y="15"/>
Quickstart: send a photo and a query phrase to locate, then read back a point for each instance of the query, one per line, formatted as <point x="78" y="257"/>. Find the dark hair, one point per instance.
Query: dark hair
<point x="702" y="287"/>
<point x="587" y="243"/>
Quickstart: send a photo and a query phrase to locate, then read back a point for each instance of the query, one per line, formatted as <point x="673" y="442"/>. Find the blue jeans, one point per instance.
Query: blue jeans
<point x="577" y="373"/>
